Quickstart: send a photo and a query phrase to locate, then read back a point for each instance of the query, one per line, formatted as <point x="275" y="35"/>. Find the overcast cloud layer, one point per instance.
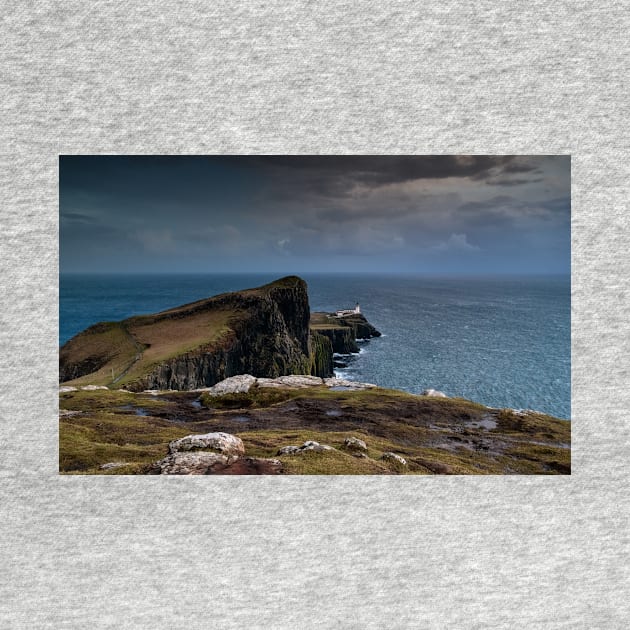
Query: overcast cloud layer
<point x="294" y="214"/>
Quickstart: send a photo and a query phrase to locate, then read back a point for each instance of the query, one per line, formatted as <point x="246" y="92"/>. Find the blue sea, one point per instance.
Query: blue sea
<point x="501" y="341"/>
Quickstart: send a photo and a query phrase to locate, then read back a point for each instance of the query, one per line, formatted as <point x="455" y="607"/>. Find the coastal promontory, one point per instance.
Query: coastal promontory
<point x="266" y="331"/>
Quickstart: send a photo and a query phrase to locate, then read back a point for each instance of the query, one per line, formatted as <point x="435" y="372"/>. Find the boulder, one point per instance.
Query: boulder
<point x="198" y="463"/>
<point x="309" y="445"/>
<point x="290" y="382"/>
<point x="342" y="382"/>
<point x="201" y="463"/>
<point x="67" y="388"/>
<point x="91" y="388"/>
<point x="434" y="392"/>
<point x="393" y="457"/>
<point x="355" y="444"/>
<point x="238" y="384"/>
<point x="224" y="443"/>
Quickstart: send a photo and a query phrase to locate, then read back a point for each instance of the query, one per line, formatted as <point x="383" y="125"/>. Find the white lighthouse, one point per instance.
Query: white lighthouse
<point x="349" y="311"/>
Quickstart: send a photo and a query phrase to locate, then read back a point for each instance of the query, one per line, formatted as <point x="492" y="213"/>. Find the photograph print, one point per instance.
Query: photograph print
<point x="315" y="314"/>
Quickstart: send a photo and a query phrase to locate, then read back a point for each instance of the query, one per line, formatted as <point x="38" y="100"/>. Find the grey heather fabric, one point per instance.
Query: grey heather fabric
<point x="303" y="77"/>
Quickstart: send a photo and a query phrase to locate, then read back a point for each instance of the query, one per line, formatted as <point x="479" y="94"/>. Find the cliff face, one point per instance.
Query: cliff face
<point x="342" y="339"/>
<point x="263" y="332"/>
<point x="321" y="356"/>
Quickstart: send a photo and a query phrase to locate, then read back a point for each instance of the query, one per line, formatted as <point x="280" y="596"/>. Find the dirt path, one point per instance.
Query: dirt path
<point x="139" y="351"/>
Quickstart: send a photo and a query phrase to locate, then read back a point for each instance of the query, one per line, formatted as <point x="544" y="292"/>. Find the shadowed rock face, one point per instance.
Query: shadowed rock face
<point x="263" y="332"/>
<point x="342" y="339"/>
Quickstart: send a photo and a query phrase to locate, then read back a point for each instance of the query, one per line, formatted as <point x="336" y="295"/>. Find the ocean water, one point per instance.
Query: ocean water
<point x="504" y="342"/>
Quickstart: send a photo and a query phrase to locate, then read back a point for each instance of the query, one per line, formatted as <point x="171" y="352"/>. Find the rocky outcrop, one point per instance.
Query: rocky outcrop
<point x="342" y="383"/>
<point x="343" y="332"/>
<point x="361" y="328"/>
<point x="223" y="443"/>
<point x="244" y="383"/>
<point x="264" y="332"/>
<point x="211" y="454"/>
<point x="394" y="458"/>
<point x="215" y="464"/>
<point x="290" y="382"/>
<point x="199" y="463"/>
<point x="355" y="444"/>
<point x="239" y="384"/>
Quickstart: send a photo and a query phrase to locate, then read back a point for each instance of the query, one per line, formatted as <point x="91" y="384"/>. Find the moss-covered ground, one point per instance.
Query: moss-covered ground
<point x="434" y="435"/>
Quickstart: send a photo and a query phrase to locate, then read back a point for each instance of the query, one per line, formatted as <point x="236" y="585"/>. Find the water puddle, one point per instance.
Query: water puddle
<point x="334" y="413"/>
<point x="340" y="388"/>
<point x="196" y="404"/>
<point x="139" y="411"/>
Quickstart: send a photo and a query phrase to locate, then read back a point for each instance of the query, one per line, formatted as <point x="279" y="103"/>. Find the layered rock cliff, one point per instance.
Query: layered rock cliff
<point x="262" y="331"/>
<point x="343" y="331"/>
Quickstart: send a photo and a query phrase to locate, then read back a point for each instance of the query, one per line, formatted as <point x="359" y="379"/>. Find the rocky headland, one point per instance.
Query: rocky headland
<point x="263" y="331"/>
<point x="343" y="332"/>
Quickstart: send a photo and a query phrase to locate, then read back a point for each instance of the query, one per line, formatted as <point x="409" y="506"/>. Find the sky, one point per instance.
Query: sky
<point x="435" y="214"/>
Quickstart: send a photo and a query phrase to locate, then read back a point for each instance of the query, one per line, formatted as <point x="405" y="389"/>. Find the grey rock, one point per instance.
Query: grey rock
<point x="310" y="445"/>
<point x="224" y="443"/>
<point x="291" y="382"/>
<point x="355" y="444"/>
<point x="241" y="383"/>
<point x="393" y="457"/>
<point x="197" y="463"/>
<point x="342" y="382"/>
<point x="434" y="392"/>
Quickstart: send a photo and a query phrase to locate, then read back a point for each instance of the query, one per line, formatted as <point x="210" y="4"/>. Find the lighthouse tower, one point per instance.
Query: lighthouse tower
<point x="357" y="309"/>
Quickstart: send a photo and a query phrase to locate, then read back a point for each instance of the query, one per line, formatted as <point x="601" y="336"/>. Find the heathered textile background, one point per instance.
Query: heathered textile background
<point x="303" y="77"/>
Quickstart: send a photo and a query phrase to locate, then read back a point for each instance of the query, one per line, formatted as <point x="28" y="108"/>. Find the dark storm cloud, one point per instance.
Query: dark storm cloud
<point x="336" y="175"/>
<point x="310" y="213"/>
